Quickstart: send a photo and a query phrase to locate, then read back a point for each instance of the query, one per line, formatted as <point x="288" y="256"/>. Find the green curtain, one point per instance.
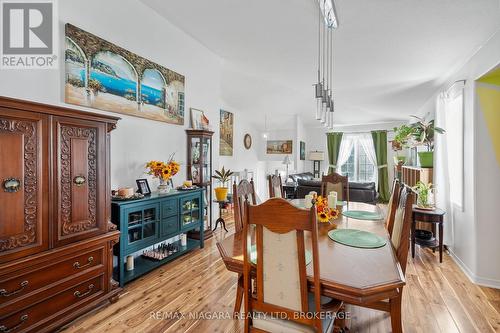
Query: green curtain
<point x="380" y="143"/>
<point x="333" y="141"/>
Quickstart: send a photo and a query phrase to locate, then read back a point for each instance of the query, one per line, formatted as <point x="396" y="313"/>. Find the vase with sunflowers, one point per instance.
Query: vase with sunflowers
<point x="164" y="171"/>
<point x="324" y="212"/>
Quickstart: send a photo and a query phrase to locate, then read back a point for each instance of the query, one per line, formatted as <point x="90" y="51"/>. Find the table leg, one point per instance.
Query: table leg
<point x="395" y="305"/>
<point x="434" y="234"/>
<point x="440" y="242"/>
<point x="413" y="223"/>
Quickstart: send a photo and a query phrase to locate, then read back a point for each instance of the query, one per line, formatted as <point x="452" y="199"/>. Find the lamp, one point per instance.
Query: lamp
<point x="316" y="157"/>
<point x="287" y="162"/>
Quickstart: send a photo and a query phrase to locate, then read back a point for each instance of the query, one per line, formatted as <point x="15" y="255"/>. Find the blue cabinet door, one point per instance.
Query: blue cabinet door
<point x="190" y="211"/>
<point x="141" y="225"/>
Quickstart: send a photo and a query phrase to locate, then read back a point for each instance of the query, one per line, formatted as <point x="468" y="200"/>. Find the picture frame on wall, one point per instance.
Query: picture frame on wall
<point x="247" y="141"/>
<point x="279" y="147"/>
<point x="143" y="186"/>
<point x="302" y="150"/>
<point x="226" y="133"/>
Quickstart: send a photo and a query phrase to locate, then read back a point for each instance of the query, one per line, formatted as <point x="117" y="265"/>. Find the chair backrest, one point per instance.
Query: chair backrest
<point x="335" y="182"/>
<point x="280" y="262"/>
<point x="392" y="205"/>
<point x="275" y="187"/>
<point x="242" y="192"/>
<point x="400" y="237"/>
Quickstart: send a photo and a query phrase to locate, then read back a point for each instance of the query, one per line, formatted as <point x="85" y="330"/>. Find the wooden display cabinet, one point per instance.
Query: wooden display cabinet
<point x="199" y="170"/>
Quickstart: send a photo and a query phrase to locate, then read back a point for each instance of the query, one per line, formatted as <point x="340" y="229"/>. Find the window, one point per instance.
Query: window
<point x="454" y="119"/>
<point x="358" y="167"/>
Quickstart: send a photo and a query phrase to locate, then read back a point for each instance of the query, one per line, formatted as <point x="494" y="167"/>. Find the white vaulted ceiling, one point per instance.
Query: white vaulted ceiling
<point x="390" y="55"/>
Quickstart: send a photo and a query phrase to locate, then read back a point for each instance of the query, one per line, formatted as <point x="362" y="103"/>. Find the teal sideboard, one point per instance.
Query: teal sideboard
<point x="152" y="220"/>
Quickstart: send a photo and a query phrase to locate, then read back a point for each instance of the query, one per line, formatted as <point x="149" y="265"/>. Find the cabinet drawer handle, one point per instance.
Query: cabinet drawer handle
<point x="5" y="293"/>
<point x="77" y="265"/>
<point x="79" y="180"/>
<point x="11" y="185"/>
<point x="80" y="295"/>
<point x="4" y="328"/>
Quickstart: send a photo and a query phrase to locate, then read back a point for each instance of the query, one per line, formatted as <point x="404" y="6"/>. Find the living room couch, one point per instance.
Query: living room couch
<point x="358" y="192"/>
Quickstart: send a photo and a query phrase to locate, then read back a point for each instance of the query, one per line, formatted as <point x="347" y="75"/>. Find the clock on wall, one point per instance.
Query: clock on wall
<point x="247" y="141"/>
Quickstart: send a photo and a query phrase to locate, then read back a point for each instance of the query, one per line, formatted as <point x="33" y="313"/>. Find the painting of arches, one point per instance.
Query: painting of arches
<point x="104" y="76"/>
<point x="153" y="86"/>
<point x="75" y="61"/>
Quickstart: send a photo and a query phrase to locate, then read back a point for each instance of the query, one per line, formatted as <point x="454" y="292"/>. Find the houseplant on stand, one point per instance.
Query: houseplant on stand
<point x="425" y="195"/>
<point x="423" y="134"/>
<point x="223" y="177"/>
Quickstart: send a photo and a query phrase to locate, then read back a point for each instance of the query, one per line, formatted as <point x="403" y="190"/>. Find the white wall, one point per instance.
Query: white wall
<point x="475" y="246"/>
<point x="135" y="27"/>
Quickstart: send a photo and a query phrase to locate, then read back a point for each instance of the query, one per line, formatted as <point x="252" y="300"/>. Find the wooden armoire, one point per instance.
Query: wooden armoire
<point x="56" y="238"/>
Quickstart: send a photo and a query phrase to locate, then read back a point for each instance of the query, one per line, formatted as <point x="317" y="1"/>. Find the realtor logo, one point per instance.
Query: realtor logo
<point x="29" y="34"/>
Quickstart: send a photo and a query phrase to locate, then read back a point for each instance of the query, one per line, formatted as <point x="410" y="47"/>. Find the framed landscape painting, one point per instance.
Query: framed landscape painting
<point x="226" y="133"/>
<point x="302" y="150"/>
<point x="279" y="147"/>
<point x="101" y="75"/>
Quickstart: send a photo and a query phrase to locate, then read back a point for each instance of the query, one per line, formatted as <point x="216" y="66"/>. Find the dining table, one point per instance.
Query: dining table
<point x="369" y="277"/>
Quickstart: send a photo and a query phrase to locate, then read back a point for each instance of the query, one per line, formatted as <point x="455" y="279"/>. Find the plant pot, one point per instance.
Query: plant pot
<point x="221" y="193"/>
<point x="426" y="159"/>
<point x="399" y="160"/>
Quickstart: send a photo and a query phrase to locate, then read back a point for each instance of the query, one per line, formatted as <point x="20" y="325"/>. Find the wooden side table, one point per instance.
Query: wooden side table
<point x="434" y="216"/>
<point x="289" y="190"/>
<point x="222" y="205"/>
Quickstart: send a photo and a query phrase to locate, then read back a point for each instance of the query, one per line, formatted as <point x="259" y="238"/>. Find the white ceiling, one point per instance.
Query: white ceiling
<point x="390" y="55"/>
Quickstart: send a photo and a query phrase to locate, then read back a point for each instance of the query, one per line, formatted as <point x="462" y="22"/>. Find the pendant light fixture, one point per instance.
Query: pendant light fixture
<point x="265" y="135"/>
<point x="327" y="21"/>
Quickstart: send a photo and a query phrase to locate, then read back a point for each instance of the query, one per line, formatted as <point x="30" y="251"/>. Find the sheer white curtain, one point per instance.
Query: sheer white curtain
<point x="345" y="150"/>
<point x="441" y="174"/>
<point x="366" y="141"/>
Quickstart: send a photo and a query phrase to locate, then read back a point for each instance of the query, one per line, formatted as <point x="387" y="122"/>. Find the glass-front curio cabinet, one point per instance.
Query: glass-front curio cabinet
<point x="199" y="170"/>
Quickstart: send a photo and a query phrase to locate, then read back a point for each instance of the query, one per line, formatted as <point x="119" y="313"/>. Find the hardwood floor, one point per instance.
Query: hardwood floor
<point x="437" y="298"/>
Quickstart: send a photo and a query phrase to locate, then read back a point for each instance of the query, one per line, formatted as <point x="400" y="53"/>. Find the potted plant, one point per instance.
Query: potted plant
<point x="402" y="136"/>
<point x="423" y="134"/>
<point x="223" y="177"/>
<point x="425" y="199"/>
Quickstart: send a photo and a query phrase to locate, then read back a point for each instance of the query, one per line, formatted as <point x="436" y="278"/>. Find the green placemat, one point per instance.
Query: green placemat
<point x="357" y="238"/>
<point x="253" y="256"/>
<point x="362" y="215"/>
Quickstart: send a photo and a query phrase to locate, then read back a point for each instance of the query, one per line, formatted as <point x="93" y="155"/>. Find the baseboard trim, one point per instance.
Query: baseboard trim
<point x="485" y="282"/>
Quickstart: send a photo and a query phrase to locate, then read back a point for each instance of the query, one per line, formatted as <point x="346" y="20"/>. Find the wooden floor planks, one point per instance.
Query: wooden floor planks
<point x="437" y="298"/>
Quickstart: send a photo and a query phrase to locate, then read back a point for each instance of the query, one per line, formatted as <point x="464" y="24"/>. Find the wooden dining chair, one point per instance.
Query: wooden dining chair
<point x="275" y="187"/>
<point x="400" y="242"/>
<point x="335" y="182"/>
<point x="280" y="302"/>
<point x="242" y="192"/>
<point x="392" y="205"/>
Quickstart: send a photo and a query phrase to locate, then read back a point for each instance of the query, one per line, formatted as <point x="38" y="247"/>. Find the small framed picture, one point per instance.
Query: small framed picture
<point x="199" y="120"/>
<point x="143" y="186"/>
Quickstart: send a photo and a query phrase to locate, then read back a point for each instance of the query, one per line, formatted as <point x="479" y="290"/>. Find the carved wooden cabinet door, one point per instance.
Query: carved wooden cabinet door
<point x="80" y="164"/>
<point x="24" y="184"/>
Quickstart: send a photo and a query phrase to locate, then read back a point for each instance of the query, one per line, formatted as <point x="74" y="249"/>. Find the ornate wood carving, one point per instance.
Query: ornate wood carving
<point x="30" y="184"/>
<point x="67" y="134"/>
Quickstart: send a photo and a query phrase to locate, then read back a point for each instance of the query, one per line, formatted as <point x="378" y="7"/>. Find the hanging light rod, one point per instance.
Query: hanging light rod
<point x="327" y="8"/>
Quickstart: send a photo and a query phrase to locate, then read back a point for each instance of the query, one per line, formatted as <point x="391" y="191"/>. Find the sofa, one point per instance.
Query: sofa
<point x="358" y="192"/>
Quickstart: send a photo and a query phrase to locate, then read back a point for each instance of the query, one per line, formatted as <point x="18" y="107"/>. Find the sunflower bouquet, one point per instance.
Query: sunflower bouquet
<point x="324" y="212"/>
<point x="163" y="170"/>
